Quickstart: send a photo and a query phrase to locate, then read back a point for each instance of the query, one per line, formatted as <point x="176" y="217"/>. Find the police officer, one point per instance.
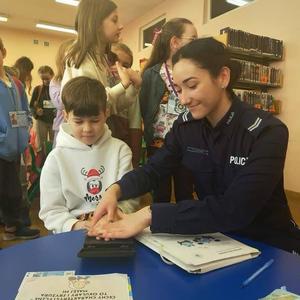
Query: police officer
<point x="235" y="152"/>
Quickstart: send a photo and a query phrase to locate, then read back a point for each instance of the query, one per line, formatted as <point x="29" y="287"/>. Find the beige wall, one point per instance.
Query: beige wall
<point x="191" y="9"/>
<point x="20" y="43"/>
<point x="275" y="18"/>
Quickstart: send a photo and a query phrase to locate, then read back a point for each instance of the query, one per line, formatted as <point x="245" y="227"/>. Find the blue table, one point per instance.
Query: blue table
<point x="151" y="278"/>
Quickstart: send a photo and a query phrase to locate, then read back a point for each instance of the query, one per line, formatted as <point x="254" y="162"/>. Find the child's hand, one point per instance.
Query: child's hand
<point x="114" y="71"/>
<point x="135" y="78"/>
<point x="124" y="76"/>
<point x="82" y="225"/>
<point x="118" y="215"/>
<point x="39" y="111"/>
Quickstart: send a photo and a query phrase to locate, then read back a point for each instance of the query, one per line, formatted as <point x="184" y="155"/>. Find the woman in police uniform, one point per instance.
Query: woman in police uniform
<point x="235" y="152"/>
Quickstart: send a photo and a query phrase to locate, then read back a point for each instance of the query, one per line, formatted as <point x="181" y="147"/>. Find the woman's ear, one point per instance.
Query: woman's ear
<point x="224" y="77"/>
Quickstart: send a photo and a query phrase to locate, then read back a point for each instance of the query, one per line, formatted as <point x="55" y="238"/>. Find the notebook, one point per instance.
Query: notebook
<point x="199" y="253"/>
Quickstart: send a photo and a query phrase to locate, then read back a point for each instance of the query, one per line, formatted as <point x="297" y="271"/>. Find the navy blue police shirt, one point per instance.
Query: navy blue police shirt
<point x="238" y="175"/>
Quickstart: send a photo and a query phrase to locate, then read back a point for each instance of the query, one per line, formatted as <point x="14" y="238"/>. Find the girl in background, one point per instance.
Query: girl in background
<point x="55" y="86"/>
<point x="126" y="124"/>
<point x="97" y="24"/>
<point x="24" y="66"/>
<point x="43" y="110"/>
<point x="159" y="102"/>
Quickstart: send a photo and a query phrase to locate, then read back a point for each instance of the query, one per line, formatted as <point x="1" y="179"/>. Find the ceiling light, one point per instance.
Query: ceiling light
<point x="56" y="28"/>
<point x="3" y="18"/>
<point x="237" y="2"/>
<point x="68" y="2"/>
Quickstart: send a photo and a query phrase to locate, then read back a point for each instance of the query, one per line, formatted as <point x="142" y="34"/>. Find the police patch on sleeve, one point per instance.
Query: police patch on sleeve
<point x="185" y="117"/>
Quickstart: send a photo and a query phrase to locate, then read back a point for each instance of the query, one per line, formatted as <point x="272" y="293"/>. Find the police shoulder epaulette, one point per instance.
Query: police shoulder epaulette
<point x="185" y="117"/>
<point x="255" y="121"/>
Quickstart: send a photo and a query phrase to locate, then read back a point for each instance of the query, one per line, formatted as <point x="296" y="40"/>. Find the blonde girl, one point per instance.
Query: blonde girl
<point x="97" y="24"/>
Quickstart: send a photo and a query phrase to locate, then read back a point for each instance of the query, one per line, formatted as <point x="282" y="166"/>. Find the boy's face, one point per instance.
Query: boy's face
<point x="88" y="130"/>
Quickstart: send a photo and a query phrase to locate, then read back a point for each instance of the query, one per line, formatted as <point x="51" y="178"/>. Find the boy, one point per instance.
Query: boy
<point x="14" y="123"/>
<point x="42" y="109"/>
<point x="85" y="161"/>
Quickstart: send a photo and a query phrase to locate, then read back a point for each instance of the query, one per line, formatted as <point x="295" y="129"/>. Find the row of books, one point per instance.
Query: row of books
<point x="258" y="99"/>
<point x="261" y="74"/>
<point x="246" y="41"/>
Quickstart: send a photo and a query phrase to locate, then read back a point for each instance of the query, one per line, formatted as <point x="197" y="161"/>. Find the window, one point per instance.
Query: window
<point x="219" y="7"/>
<point x="147" y="31"/>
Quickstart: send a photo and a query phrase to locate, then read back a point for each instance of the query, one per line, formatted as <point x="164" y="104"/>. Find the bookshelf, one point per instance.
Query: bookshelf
<point x="255" y="54"/>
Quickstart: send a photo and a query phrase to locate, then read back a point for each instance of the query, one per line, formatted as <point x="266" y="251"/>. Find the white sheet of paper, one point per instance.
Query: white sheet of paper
<point x="45" y="274"/>
<point x="79" y="287"/>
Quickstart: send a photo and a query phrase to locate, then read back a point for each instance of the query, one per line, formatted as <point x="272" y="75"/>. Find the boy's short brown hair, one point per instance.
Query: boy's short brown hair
<point x="84" y="96"/>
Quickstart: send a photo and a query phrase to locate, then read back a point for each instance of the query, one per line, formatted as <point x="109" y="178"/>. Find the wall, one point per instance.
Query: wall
<point x="278" y="19"/>
<point x="20" y="43"/>
<point x="191" y="9"/>
<point x="275" y="18"/>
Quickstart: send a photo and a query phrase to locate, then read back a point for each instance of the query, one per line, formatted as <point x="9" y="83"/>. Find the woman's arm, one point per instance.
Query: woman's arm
<point x="125" y="165"/>
<point x="140" y="180"/>
<point x="243" y="200"/>
<point x="241" y="203"/>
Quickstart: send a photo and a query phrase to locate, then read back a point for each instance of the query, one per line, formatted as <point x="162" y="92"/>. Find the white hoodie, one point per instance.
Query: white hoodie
<point x="75" y="176"/>
<point x="119" y="98"/>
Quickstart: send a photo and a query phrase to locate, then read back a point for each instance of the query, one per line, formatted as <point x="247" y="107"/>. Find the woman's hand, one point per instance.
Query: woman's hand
<point x="129" y="225"/>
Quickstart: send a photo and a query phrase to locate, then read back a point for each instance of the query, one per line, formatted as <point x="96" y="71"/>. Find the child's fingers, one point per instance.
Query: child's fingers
<point x="110" y="215"/>
<point x="98" y="214"/>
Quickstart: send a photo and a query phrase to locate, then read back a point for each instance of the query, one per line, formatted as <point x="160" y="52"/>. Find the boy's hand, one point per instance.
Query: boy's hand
<point x="82" y="225"/>
<point x="124" y="76"/>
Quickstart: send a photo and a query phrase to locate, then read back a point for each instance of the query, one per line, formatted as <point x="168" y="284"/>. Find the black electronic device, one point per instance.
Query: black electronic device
<point x="117" y="248"/>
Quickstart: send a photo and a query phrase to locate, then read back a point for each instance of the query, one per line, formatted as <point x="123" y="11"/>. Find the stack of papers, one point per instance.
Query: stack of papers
<point x="59" y="285"/>
<point x="198" y="253"/>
